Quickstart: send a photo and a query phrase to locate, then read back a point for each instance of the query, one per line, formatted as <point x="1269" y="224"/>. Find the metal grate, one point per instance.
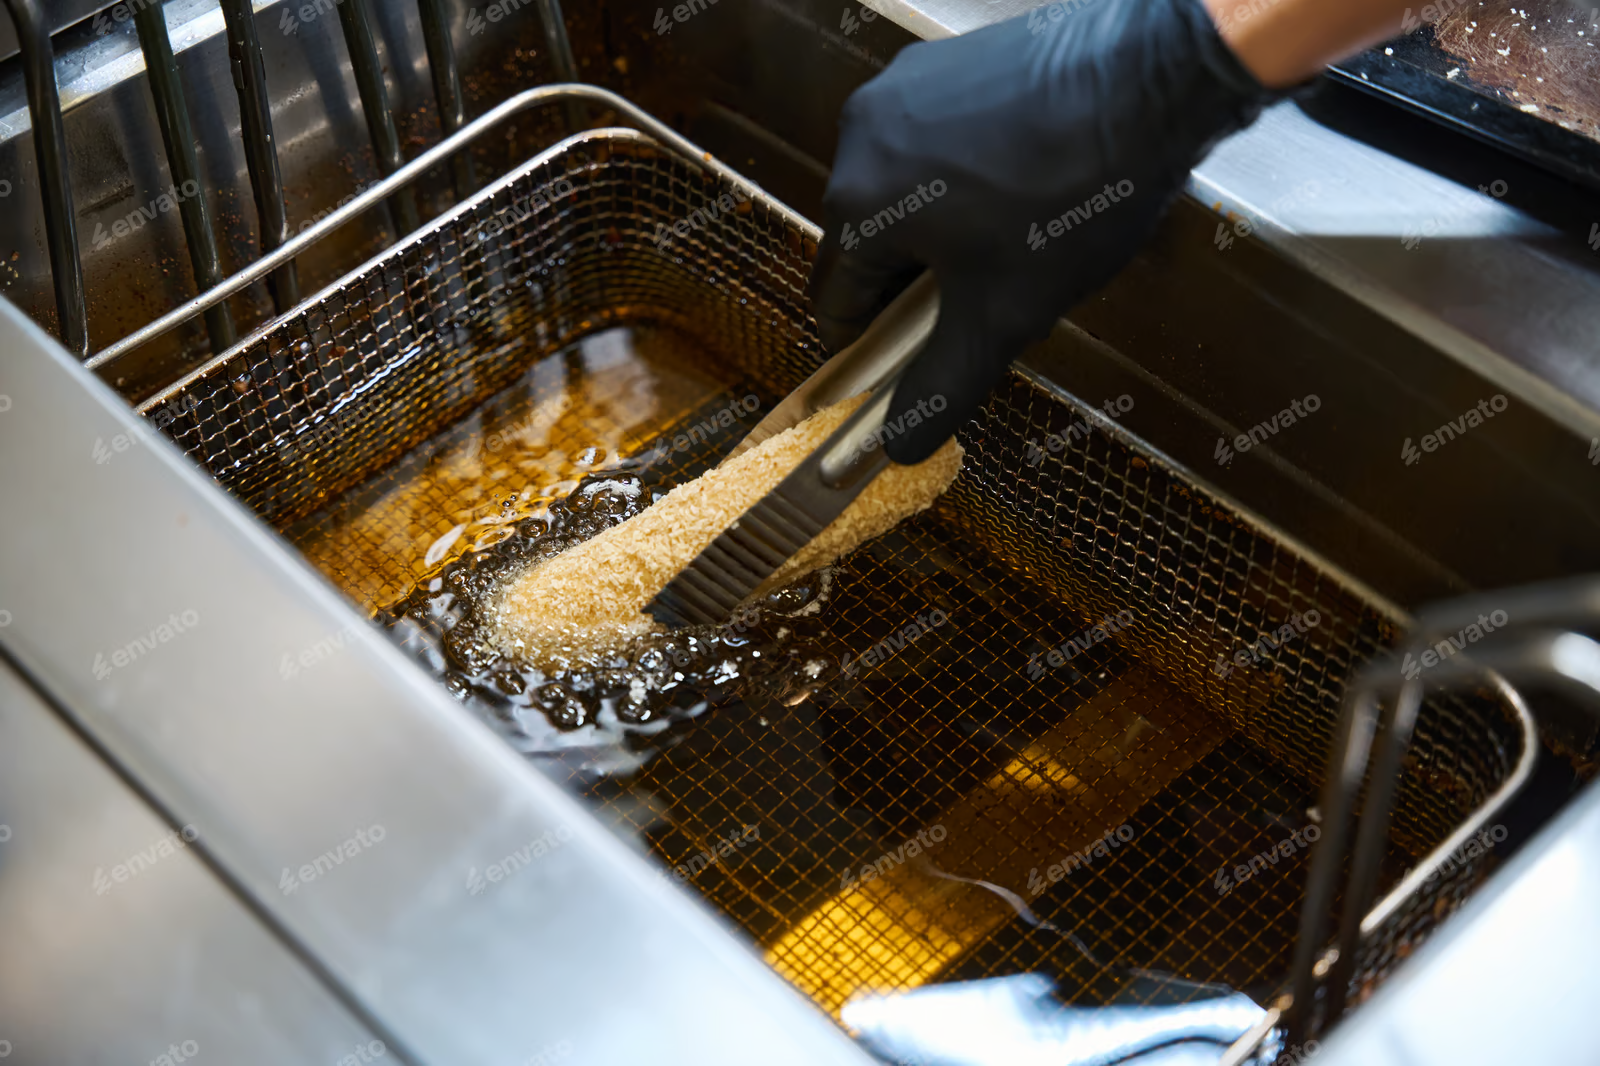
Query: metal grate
<point x="395" y="352"/>
<point x="952" y="734"/>
<point x="468" y="487"/>
<point x="1018" y="766"/>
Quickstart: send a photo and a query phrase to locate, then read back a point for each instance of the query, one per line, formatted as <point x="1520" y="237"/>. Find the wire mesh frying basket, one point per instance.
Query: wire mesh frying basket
<point x="610" y="228"/>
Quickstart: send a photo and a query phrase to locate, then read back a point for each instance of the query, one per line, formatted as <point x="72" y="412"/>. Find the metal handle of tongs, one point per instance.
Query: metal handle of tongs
<point x="877" y="357"/>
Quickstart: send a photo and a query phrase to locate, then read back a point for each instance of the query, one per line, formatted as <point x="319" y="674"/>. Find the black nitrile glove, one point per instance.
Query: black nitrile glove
<point x="1025" y="163"/>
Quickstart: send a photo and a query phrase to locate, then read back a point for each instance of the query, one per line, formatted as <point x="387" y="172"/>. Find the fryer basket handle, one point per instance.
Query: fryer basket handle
<point x="376" y="194"/>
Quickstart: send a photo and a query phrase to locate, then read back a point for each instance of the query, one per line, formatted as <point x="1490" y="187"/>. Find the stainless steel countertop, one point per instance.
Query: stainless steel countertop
<point x="1481" y="281"/>
<point x="933" y="19"/>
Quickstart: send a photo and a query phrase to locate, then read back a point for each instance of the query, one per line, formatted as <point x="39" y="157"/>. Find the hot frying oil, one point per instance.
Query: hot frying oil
<point x="840" y="718"/>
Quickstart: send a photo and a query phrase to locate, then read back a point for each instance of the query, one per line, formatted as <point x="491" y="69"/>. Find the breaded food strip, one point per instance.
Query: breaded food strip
<point x="589" y="599"/>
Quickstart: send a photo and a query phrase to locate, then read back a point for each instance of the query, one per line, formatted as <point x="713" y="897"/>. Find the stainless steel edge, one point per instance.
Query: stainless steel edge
<point x="845" y="457"/>
<point x="58" y="13"/>
<point x="135" y="265"/>
<point x="933" y="19"/>
<point x="1471" y="275"/>
<point x="1510" y="979"/>
<point x="113" y="56"/>
<point x="475" y="911"/>
<point x="104" y="906"/>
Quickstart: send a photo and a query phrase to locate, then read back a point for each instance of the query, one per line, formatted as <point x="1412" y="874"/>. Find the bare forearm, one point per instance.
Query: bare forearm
<point x="1286" y="41"/>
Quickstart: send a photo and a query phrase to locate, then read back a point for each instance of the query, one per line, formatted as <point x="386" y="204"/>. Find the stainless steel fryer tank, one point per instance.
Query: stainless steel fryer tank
<point x="1149" y="730"/>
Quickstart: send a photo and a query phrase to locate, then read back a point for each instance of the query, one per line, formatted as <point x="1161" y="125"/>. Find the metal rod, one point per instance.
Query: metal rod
<point x="55" y="183"/>
<point x="184" y="165"/>
<point x="439" y="153"/>
<point x="363" y="47"/>
<point x="260" y="149"/>
<point x="1347" y="766"/>
<point x="1372" y="837"/>
<point x="447" y="89"/>
<point x="555" y="37"/>
<point x="560" y="48"/>
<point x="1566" y="601"/>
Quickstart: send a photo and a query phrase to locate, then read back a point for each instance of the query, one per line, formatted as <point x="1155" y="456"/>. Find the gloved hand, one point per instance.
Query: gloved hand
<point x="1025" y="163"/>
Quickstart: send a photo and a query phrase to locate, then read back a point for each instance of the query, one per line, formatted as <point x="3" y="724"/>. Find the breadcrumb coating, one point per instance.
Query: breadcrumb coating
<point x="589" y="599"/>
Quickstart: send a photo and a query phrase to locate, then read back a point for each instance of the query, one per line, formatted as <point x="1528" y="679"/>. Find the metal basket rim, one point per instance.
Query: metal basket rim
<point x="1508" y="697"/>
<point x="567" y="145"/>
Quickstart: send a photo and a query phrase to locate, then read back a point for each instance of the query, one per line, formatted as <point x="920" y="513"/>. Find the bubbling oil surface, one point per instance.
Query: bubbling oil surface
<point x="648" y="681"/>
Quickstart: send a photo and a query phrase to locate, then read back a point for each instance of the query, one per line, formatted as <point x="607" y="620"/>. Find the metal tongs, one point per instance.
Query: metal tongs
<point x="817" y="491"/>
